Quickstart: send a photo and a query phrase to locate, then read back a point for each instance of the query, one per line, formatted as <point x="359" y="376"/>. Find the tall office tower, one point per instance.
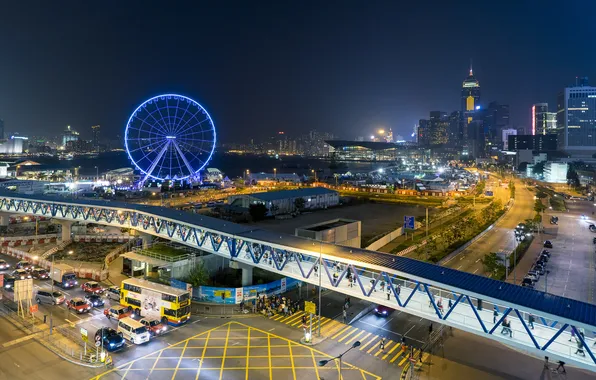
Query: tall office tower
<point x="69" y="135"/>
<point x="576" y="118"/>
<point x="438" y="128"/>
<point x="95" y="137"/>
<point x="453" y="131"/>
<point x="423" y="132"/>
<point x="470" y="102"/>
<point x="543" y="122"/>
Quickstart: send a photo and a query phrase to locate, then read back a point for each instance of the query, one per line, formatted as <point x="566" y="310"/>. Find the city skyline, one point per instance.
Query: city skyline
<point x="260" y="75"/>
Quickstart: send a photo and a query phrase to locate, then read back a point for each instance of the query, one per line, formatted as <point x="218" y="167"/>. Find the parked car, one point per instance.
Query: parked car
<point x="50" y="297"/>
<point x="548" y="244"/>
<point x="79" y="305"/>
<point x="527" y="282"/>
<point x="24" y="264"/>
<point x="112" y="341"/>
<point x="545" y="252"/>
<point x="154" y="326"/>
<point x="4" y="265"/>
<point x="21" y="274"/>
<point x="40" y="274"/>
<point x="94" y="300"/>
<point x="113" y="293"/>
<point x="92" y="287"/>
<point x="382" y="310"/>
<point x="9" y="283"/>
<point x="539" y="268"/>
<point x="117" y="312"/>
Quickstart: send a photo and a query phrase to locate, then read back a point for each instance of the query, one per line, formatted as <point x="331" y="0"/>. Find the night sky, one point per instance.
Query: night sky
<point x="260" y="67"/>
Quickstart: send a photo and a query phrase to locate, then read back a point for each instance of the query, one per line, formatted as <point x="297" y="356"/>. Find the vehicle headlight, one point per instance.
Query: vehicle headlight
<point x="376" y="310"/>
<point x="112" y="344"/>
<point x="384" y="311"/>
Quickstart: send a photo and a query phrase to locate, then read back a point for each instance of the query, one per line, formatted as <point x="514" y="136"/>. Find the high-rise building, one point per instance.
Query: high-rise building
<point x="438" y="128"/>
<point x="470" y="102"/>
<point x="95" y="137"/>
<point x="539" y="143"/>
<point x="576" y="118"/>
<point x="453" y="131"/>
<point x="69" y="135"/>
<point x="543" y="122"/>
<point x="423" y="132"/>
<point x="505" y="137"/>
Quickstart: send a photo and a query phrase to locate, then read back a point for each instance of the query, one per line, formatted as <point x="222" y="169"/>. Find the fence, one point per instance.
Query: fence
<point x="28" y="240"/>
<point x="55" y="249"/>
<point x="388" y="238"/>
<point x="63" y="341"/>
<point x="113" y="255"/>
<point x="108" y="238"/>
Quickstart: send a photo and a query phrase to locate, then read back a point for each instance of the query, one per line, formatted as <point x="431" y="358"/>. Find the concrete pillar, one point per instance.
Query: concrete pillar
<point x="146" y="239"/>
<point x="246" y="275"/>
<point x="66" y="228"/>
<point x="4" y="221"/>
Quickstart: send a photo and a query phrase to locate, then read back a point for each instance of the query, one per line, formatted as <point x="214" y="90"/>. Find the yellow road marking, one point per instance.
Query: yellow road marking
<point x="389" y="353"/>
<point x="355" y="336"/>
<point x="315" y="364"/>
<point x="327" y="320"/>
<point x="269" y="352"/>
<point x="286" y="318"/>
<point x="397" y="356"/>
<point x="373" y="346"/>
<point x="372" y="339"/>
<point x="179" y="361"/>
<point x="223" y="360"/>
<point x="331" y="328"/>
<point x="291" y="360"/>
<point x="339" y="333"/>
<point x="203" y="355"/>
<point x="403" y="360"/>
<point x="387" y="345"/>
<point x="277" y="317"/>
<point x="247" y="353"/>
<point x="348" y="334"/>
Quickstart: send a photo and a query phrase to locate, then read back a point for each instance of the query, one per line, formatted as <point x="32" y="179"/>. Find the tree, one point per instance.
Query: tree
<point x="257" y="211"/>
<point x="539" y="206"/>
<point x="299" y="203"/>
<point x="572" y="177"/>
<point x="492" y="264"/>
<point x="538" y="169"/>
<point x="198" y="275"/>
<point x="480" y="187"/>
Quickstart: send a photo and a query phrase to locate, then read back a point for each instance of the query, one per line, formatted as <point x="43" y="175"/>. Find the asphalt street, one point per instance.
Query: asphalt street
<point x="572" y="265"/>
<point x="500" y="238"/>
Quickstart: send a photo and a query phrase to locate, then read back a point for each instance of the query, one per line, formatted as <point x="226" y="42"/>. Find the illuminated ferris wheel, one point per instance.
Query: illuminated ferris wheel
<point x="170" y="137"/>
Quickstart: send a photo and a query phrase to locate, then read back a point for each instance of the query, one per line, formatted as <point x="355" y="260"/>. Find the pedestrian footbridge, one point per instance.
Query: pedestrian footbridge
<point x="563" y="329"/>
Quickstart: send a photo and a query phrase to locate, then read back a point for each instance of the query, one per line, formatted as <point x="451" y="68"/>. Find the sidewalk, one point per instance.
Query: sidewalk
<point x="115" y="276"/>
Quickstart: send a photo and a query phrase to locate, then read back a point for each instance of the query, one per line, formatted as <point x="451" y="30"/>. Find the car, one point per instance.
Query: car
<point x="382" y="310"/>
<point x="154" y="326"/>
<point x="532" y="275"/>
<point x="40" y="274"/>
<point x="109" y="339"/>
<point x="4" y="265"/>
<point x="539" y="269"/>
<point x="117" y="312"/>
<point x="544" y="257"/>
<point x="545" y="252"/>
<point x="21" y="274"/>
<point x="527" y="282"/>
<point x="24" y="264"/>
<point x="9" y="282"/>
<point x="113" y="293"/>
<point x="79" y="305"/>
<point x="92" y="287"/>
<point x="584" y="217"/>
<point x="592" y="227"/>
<point x="49" y="296"/>
<point x="548" y="244"/>
<point x="94" y="300"/>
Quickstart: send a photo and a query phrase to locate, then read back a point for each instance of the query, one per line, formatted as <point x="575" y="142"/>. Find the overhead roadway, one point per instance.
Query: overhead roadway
<point x="418" y="288"/>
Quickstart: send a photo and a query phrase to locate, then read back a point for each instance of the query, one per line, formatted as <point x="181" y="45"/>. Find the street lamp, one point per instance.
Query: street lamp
<point x="275" y="173"/>
<point x="315" y="173"/>
<point x="322" y="363"/>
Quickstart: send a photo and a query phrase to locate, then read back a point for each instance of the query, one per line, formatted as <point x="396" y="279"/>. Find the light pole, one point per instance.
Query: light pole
<point x="315" y="173"/>
<point x="96" y="174"/>
<point x="514" y="258"/>
<point x="322" y="363"/>
<point x="320" y="293"/>
<point x="274" y="173"/>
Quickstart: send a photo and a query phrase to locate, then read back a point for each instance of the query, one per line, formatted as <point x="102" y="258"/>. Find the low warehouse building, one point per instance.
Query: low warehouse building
<point x="285" y="201"/>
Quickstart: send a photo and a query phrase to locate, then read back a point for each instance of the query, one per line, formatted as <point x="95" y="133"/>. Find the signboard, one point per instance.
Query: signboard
<point x="23" y="290"/>
<point x="310" y="307"/>
<point x="84" y="334"/>
<point x="409" y="222"/>
<point x="1" y="280"/>
<point x="488" y="193"/>
<point x="33" y="308"/>
<point x="283" y="285"/>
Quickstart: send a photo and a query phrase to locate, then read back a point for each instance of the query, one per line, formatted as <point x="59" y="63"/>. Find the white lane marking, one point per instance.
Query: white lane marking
<point x="459" y="267"/>
<point x="389" y="320"/>
<point x="477" y="260"/>
<point x="475" y="270"/>
<point x="409" y="330"/>
<point x="271" y="329"/>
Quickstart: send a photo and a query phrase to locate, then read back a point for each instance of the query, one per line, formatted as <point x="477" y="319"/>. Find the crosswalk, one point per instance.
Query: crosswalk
<point x="394" y="352"/>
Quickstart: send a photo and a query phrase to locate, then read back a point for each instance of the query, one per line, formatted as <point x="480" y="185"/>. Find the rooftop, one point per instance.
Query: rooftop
<point x="285" y="194"/>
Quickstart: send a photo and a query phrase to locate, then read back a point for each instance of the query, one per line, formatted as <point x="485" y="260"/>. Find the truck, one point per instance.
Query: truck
<point x="63" y="275"/>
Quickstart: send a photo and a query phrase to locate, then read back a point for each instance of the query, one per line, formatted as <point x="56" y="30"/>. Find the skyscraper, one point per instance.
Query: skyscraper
<point x="576" y="118"/>
<point x="470" y="101"/>
<point x="439" y="126"/>
<point x="423" y="132"/>
<point x="543" y="122"/>
<point x="95" y="137"/>
<point x="69" y="135"/>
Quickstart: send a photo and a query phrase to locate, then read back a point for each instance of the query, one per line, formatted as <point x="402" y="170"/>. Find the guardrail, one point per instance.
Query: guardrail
<point x="113" y="255"/>
<point x="110" y="238"/>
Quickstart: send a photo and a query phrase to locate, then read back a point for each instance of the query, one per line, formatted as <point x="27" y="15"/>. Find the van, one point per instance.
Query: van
<point x="53" y="297"/>
<point x="133" y="331"/>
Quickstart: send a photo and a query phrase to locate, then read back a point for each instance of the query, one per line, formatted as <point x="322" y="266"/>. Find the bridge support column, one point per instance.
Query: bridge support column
<point x="147" y="239"/>
<point x="66" y="229"/>
<point x="246" y="275"/>
<point x="4" y="221"/>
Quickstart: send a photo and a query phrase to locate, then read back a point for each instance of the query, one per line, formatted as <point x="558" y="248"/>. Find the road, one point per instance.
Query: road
<point x="500" y="238"/>
<point x="572" y="265"/>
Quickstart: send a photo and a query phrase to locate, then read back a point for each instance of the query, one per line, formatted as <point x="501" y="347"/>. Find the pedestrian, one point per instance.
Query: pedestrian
<point x="388" y="294"/>
<point x="398" y="290"/>
<point x="430" y="328"/>
<point x="580" y="348"/>
<point x="345" y="314"/>
<point x="562" y="366"/>
<point x="372" y="285"/>
<point x="495" y="315"/>
<point x="382" y="286"/>
<point x="531" y="321"/>
<point x="316" y="269"/>
<point x="382" y="344"/>
<point x="349" y="301"/>
<point x="304" y="319"/>
<point x="403" y="342"/>
<point x="450" y="304"/>
<point x="572" y="334"/>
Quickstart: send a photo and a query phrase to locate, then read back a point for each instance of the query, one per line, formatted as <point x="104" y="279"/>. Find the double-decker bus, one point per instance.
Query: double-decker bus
<point x="151" y="300"/>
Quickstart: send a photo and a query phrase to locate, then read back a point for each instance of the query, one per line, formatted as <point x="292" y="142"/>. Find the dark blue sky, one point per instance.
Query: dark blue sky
<point x="259" y="67"/>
